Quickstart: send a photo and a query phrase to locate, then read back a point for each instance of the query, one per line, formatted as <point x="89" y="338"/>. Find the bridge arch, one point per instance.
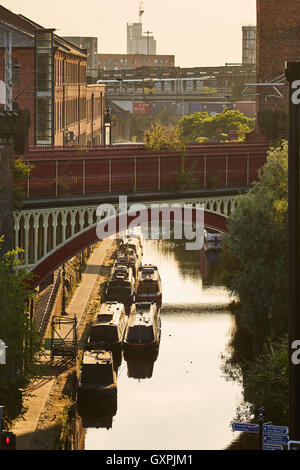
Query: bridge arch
<point x="84" y="239"/>
<point x="50" y="237"/>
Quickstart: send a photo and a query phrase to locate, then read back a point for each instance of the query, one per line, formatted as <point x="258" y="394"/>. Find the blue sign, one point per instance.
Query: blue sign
<point x="270" y="429"/>
<point x="272" y="447"/>
<point x="246" y="427"/>
<point x="274" y="439"/>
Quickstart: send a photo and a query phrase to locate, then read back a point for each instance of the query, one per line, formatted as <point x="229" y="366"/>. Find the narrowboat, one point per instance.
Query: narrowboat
<point x="128" y="258"/>
<point x="97" y="379"/>
<point x="149" y="287"/>
<point x="121" y="286"/>
<point x="212" y="241"/>
<point x="134" y="244"/>
<point x="108" y="329"/>
<point x="142" y="336"/>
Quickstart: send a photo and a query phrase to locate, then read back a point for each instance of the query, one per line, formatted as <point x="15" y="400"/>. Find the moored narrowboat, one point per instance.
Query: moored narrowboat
<point x="212" y="241"/>
<point x="97" y="378"/>
<point x="142" y="334"/>
<point x="129" y="259"/>
<point x="149" y="287"/>
<point x="121" y="286"/>
<point x="108" y="329"/>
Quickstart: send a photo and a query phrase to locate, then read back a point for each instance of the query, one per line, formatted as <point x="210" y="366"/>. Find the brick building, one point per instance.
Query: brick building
<point x="91" y="46"/>
<point x="133" y="61"/>
<point x="49" y="79"/>
<point x="278" y="41"/>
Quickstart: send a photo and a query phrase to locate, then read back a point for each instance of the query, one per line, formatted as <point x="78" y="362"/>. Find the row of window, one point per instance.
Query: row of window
<point x="72" y="111"/>
<point x="73" y="73"/>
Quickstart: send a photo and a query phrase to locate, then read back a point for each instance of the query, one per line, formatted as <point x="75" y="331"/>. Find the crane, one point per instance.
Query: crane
<point x="141" y="10"/>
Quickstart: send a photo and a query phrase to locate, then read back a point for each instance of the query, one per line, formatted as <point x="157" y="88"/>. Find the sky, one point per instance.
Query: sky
<point x="197" y="32"/>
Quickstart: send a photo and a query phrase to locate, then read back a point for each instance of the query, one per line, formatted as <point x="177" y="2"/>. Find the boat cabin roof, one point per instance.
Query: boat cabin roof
<point x="97" y="358"/>
<point x="148" y="272"/>
<point x="143" y="314"/>
<point x="126" y="253"/>
<point x="109" y="313"/>
<point x="132" y="243"/>
<point x="121" y="273"/>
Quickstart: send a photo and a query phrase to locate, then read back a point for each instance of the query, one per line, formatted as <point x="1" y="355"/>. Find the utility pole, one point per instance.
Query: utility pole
<point x="293" y="78"/>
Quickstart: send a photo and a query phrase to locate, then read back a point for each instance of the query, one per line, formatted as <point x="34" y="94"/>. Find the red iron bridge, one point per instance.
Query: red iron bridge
<point x="84" y="171"/>
<point x="59" y="214"/>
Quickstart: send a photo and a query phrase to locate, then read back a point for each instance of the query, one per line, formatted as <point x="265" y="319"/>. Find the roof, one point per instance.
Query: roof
<point x="97" y="357"/>
<point x="148" y="272"/>
<point x="110" y="313"/>
<point x="29" y="27"/>
<point x="143" y="314"/>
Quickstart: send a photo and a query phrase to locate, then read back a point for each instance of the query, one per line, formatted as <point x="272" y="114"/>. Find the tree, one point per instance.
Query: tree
<point x="225" y="126"/>
<point x="141" y="122"/>
<point x="18" y="333"/>
<point x="265" y="381"/>
<point x="21" y="171"/>
<point x="160" y="137"/>
<point x="256" y="250"/>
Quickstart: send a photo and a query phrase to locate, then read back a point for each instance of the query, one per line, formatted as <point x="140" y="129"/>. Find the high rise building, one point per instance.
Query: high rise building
<point x="249" y="45"/>
<point x="139" y="42"/>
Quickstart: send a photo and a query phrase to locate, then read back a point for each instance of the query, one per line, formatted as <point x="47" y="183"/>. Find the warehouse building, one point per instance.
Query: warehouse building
<point x="46" y="75"/>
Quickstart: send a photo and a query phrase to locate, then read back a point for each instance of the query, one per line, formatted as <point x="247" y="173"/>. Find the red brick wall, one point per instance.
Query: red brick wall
<point x="278" y="41"/>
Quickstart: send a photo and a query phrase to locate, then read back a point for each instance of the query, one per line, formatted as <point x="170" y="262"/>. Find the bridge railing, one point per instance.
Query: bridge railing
<point x="82" y="175"/>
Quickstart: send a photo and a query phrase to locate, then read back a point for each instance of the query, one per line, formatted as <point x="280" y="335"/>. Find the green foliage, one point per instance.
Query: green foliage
<point x="254" y="267"/>
<point x="225" y="126"/>
<point x="18" y="333"/>
<point x="186" y="180"/>
<point x="141" y="122"/>
<point x="159" y="137"/>
<point x="265" y="381"/>
<point x="257" y="250"/>
<point x="21" y="171"/>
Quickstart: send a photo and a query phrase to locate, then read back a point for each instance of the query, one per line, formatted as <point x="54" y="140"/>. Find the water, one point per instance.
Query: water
<point x="185" y="403"/>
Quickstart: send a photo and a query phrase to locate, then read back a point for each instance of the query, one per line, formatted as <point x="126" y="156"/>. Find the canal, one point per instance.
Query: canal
<point x="182" y="400"/>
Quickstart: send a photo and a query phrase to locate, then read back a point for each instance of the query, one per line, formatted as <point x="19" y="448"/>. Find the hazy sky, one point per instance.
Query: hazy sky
<point x="198" y="32"/>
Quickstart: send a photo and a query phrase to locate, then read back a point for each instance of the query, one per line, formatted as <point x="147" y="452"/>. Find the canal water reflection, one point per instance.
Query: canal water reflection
<point x="181" y="401"/>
